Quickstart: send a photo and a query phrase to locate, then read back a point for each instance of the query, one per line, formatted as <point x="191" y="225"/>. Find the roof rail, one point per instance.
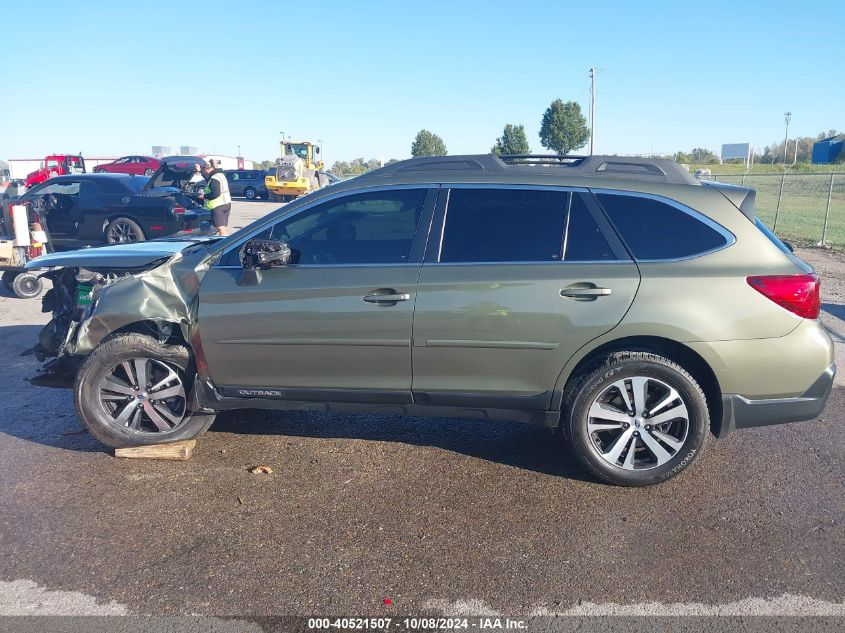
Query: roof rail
<point x="635" y="168"/>
<point x="541" y="159"/>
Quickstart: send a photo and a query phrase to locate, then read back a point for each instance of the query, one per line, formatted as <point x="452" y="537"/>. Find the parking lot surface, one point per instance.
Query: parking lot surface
<point x="441" y="516"/>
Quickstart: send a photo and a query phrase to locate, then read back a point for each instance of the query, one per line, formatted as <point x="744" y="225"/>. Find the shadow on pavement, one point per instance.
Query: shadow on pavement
<point x="36" y="414"/>
<point x="510" y="443"/>
<point x="514" y="444"/>
<point x="835" y="309"/>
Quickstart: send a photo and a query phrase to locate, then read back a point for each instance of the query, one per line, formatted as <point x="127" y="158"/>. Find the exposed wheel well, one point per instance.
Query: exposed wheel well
<point x="677" y="352"/>
<point x="164" y="331"/>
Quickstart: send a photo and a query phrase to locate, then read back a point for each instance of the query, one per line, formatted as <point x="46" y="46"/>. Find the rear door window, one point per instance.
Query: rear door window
<point x="504" y="225"/>
<point x="654" y="229"/>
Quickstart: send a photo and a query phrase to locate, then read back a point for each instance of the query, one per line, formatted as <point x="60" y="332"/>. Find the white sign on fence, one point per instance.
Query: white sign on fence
<point x="737" y="150"/>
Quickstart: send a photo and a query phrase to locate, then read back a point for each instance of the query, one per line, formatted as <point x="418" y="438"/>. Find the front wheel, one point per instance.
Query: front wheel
<point x="636" y="419"/>
<point x="27" y="286"/>
<point x="122" y="230"/>
<point x="135" y="391"/>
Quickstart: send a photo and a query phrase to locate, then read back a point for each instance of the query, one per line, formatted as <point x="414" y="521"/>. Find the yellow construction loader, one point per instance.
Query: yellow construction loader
<point x="297" y="172"/>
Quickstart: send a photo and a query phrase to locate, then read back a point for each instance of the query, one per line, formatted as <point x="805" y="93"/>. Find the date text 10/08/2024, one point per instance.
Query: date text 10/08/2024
<point x="417" y="624"/>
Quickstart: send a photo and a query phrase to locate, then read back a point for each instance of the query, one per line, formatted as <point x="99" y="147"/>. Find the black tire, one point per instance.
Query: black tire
<point x="109" y="355"/>
<point x="27" y="286"/>
<point x="275" y="197"/>
<point x="124" y="231"/>
<point x="250" y="193"/>
<point x="265" y="196"/>
<point x="660" y="373"/>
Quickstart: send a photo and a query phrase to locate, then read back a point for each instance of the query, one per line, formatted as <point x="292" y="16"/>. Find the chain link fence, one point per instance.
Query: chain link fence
<point x="807" y="209"/>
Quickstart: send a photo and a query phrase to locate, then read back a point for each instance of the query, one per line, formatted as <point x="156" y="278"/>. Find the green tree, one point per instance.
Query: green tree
<point x="356" y="167"/>
<point x="428" y="144"/>
<point x="512" y="141"/>
<point x="703" y="156"/>
<point x="564" y="128"/>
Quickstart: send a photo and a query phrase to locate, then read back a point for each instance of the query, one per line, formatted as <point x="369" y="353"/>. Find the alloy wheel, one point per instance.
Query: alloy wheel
<point x="638" y="423"/>
<point x="122" y="232"/>
<point x="143" y="395"/>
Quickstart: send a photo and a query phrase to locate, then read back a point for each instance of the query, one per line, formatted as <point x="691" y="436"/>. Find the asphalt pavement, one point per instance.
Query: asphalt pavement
<point x="442" y="516"/>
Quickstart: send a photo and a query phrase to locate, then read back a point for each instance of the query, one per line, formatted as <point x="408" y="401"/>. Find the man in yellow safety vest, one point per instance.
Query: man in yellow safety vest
<point x="217" y="198"/>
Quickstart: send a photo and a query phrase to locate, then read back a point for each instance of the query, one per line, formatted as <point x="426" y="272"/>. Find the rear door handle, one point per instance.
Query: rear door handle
<point x="585" y="292"/>
<point x="387" y="296"/>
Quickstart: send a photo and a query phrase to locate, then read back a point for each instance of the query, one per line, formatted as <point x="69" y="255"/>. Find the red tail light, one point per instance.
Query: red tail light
<point x="178" y="209"/>
<point x="797" y="293"/>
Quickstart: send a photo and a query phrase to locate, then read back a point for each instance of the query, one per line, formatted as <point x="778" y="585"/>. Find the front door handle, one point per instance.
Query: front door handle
<point x="585" y="293"/>
<point x="386" y="296"/>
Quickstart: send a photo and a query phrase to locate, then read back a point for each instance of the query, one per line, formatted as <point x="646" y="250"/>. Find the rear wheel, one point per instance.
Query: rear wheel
<point x="134" y="391"/>
<point x="122" y="230"/>
<point x="636" y="419"/>
<point x="250" y="193"/>
<point x="148" y="172"/>
<point x="27" y="285"/>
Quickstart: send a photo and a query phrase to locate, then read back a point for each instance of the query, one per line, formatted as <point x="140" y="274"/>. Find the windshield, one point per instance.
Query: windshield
<point x="297" y="149"/>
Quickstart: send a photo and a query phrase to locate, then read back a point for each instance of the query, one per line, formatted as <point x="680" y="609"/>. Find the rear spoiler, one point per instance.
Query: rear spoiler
<point x="743" y="198"/>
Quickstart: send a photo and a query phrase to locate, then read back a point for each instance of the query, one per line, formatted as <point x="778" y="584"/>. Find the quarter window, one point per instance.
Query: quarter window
<point x="653" y="229"/>
<point x="585" y="241"/>
<point x="504" y="225"/>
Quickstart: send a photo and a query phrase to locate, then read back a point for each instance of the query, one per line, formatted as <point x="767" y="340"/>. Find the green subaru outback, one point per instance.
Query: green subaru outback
<point x="622" y="301"/>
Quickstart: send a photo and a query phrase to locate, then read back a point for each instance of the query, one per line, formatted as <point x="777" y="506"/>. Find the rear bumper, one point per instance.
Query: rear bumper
<point x="740" y="413"/>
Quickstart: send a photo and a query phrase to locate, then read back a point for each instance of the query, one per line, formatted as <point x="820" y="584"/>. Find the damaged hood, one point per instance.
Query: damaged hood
<point x="135" y="256"/>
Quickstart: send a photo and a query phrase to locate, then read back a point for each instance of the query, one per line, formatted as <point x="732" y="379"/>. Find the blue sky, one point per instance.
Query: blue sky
<point x="366" y="76"/>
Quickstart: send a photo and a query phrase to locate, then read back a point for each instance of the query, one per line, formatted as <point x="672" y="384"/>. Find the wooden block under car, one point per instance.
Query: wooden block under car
<point x="179" y="451"/>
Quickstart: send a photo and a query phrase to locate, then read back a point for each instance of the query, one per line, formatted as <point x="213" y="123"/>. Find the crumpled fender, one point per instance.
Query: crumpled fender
<point x="164" y="295"/>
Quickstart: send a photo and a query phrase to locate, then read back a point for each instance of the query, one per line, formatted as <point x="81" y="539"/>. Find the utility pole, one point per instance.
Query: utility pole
<point x="592" y="109"/>
<point x="787" y="116"/>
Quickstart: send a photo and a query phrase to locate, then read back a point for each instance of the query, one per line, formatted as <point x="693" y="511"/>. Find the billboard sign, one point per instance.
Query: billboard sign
<point x="736" y="150"/>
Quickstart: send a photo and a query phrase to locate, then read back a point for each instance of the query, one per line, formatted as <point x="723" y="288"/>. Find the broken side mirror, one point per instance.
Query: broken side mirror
<point x="258" y="255"/>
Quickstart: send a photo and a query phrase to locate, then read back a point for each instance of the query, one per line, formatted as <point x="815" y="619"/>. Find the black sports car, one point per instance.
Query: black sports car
<point x="89" y="209"/>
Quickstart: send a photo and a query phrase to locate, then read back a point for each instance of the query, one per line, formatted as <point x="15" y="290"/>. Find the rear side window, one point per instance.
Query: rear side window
<point x="504" y="225"/>
<point x="653" y="229"/>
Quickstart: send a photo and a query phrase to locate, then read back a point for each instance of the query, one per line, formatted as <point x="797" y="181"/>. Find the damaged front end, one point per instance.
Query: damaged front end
<point x="94" y="299"/>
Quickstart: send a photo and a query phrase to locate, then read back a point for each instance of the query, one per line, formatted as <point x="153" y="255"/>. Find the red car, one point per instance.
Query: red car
<point x="138" y="165"/>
